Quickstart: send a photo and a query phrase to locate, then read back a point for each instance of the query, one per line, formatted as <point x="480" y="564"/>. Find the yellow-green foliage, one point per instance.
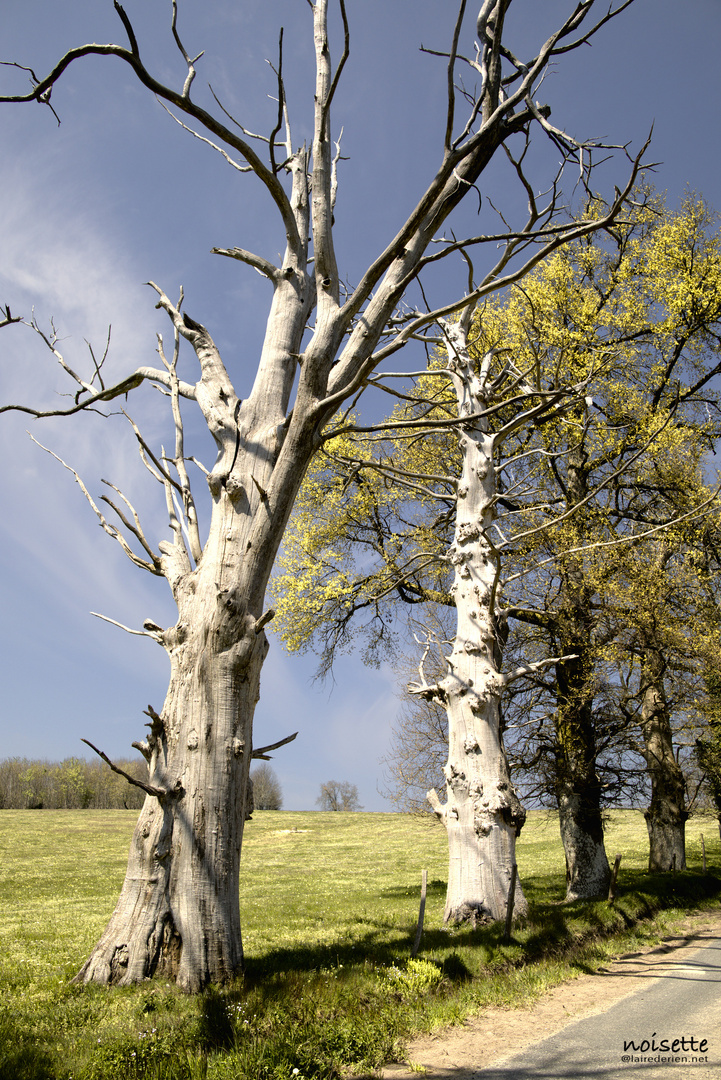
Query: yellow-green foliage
<point x="631" y="317"/>
<point x="417" y="977"/>
<point x="355" y="534"/>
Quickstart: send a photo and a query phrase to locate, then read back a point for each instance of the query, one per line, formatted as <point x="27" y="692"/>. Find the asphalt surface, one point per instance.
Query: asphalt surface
<point x="654" y="1012"/>
<point x="669" y="1027"/>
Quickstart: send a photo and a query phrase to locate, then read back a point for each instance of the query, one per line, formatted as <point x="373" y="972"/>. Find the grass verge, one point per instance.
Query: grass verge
<point x="330" y="904"/>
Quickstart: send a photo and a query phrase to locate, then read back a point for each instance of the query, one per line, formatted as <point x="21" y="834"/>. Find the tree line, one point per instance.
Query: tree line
<point x="72" y="784"/>
<point x="77" y="784"/>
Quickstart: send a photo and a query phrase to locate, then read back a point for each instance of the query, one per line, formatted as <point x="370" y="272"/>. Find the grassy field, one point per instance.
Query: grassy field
<point x="329" y="904"/>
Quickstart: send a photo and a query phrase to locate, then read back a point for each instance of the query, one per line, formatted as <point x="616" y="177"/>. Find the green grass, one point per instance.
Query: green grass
<point x="329" y="904"/>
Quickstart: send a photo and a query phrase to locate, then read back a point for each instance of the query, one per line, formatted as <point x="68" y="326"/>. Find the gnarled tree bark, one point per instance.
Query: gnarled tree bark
<point x="482" y="814"/>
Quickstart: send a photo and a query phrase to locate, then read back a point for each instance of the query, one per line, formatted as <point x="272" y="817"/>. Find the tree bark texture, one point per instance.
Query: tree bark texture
<point x="578" y="788"/>
<point x="178" y="912"/>
<point x="666" y="816"/>
<point x="482" y="814"/>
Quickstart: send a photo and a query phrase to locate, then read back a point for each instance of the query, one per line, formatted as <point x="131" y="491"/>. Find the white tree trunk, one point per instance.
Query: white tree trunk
<point x="482" y="813"/>
<point x="178" y="911"/>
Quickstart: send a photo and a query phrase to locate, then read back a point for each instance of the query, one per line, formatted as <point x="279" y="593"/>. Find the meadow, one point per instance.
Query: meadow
<point x="330" y="907"/>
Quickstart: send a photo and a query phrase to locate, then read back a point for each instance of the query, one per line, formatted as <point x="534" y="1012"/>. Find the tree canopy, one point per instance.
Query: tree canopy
<point x="602" y="506"/>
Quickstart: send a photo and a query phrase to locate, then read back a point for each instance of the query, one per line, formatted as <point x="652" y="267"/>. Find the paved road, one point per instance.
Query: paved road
<point x="683" y="1003"/>
<point x="597" y="1025"/>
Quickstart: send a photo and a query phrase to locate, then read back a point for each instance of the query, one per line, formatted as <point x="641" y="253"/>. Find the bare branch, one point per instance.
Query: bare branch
<point x="436" y="805"/>
<point x="191" y="63"/>
<point x="173" y="519"/>
<point x="191" y="515"/>
<point x="611" y="14"/>
<point x="263" y="751"/>
<point x="525" y="670"/>
<point x="493" y="282"/>
<point x="334" y="171"/>
<point x="159" y="793"/>
<point x="451" y="76"/>
<point x="341" y="64"/>
<point x="154" y="634"/>
<point x="162" y="475"/>
<point x="263" y="621"/>
<point x="136" y="530"/>
<point x="208" y="142"/>
<point x="154" y="567"/>
<point x="260" y="264"/>
<point x="6" y="318"/>
<point x="43" y="87"/>
<point x="281" y="104"/>
<point x="95" y="396"/>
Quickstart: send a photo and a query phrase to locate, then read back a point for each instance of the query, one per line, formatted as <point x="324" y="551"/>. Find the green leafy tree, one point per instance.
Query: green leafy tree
<point x="36" y="785"/>
<point x="630" y="323"/>
<point x="72" y="782"/>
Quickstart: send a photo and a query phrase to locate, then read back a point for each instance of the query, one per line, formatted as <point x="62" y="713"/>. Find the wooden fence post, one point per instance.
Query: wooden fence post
<point x="614" y="875"/>
<point x="421" y="913"/>
<point x="511" y="901"/>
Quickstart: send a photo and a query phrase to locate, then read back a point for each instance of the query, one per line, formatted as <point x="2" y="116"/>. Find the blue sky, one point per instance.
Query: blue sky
<point x="119" y="194"/>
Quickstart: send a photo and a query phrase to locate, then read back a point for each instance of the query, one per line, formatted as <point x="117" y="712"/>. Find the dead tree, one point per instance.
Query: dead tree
<point x="178" y="912"/>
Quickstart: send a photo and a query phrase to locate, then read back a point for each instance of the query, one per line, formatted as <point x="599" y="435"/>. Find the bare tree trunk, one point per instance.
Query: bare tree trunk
<point x="667" y="814"/>
<point x="482" y="814"/>
<point x="178" y="911"/>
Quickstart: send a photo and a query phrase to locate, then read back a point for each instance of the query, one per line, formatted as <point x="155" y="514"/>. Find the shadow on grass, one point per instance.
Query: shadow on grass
<point x="322" y="1009"/>
<point x="21" y="1058"/>
<point x="549" y="930"/>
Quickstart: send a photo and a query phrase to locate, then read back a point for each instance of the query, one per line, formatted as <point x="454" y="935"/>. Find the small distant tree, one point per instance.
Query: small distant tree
<point x="267" y="794"/>
<point x="338" y="796"/>
<point x="72" y="781"/>
<point x="36" y="785"/>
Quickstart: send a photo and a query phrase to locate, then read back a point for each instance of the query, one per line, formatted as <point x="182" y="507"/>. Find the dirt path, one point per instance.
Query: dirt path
<point x="495" y="1034"/>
